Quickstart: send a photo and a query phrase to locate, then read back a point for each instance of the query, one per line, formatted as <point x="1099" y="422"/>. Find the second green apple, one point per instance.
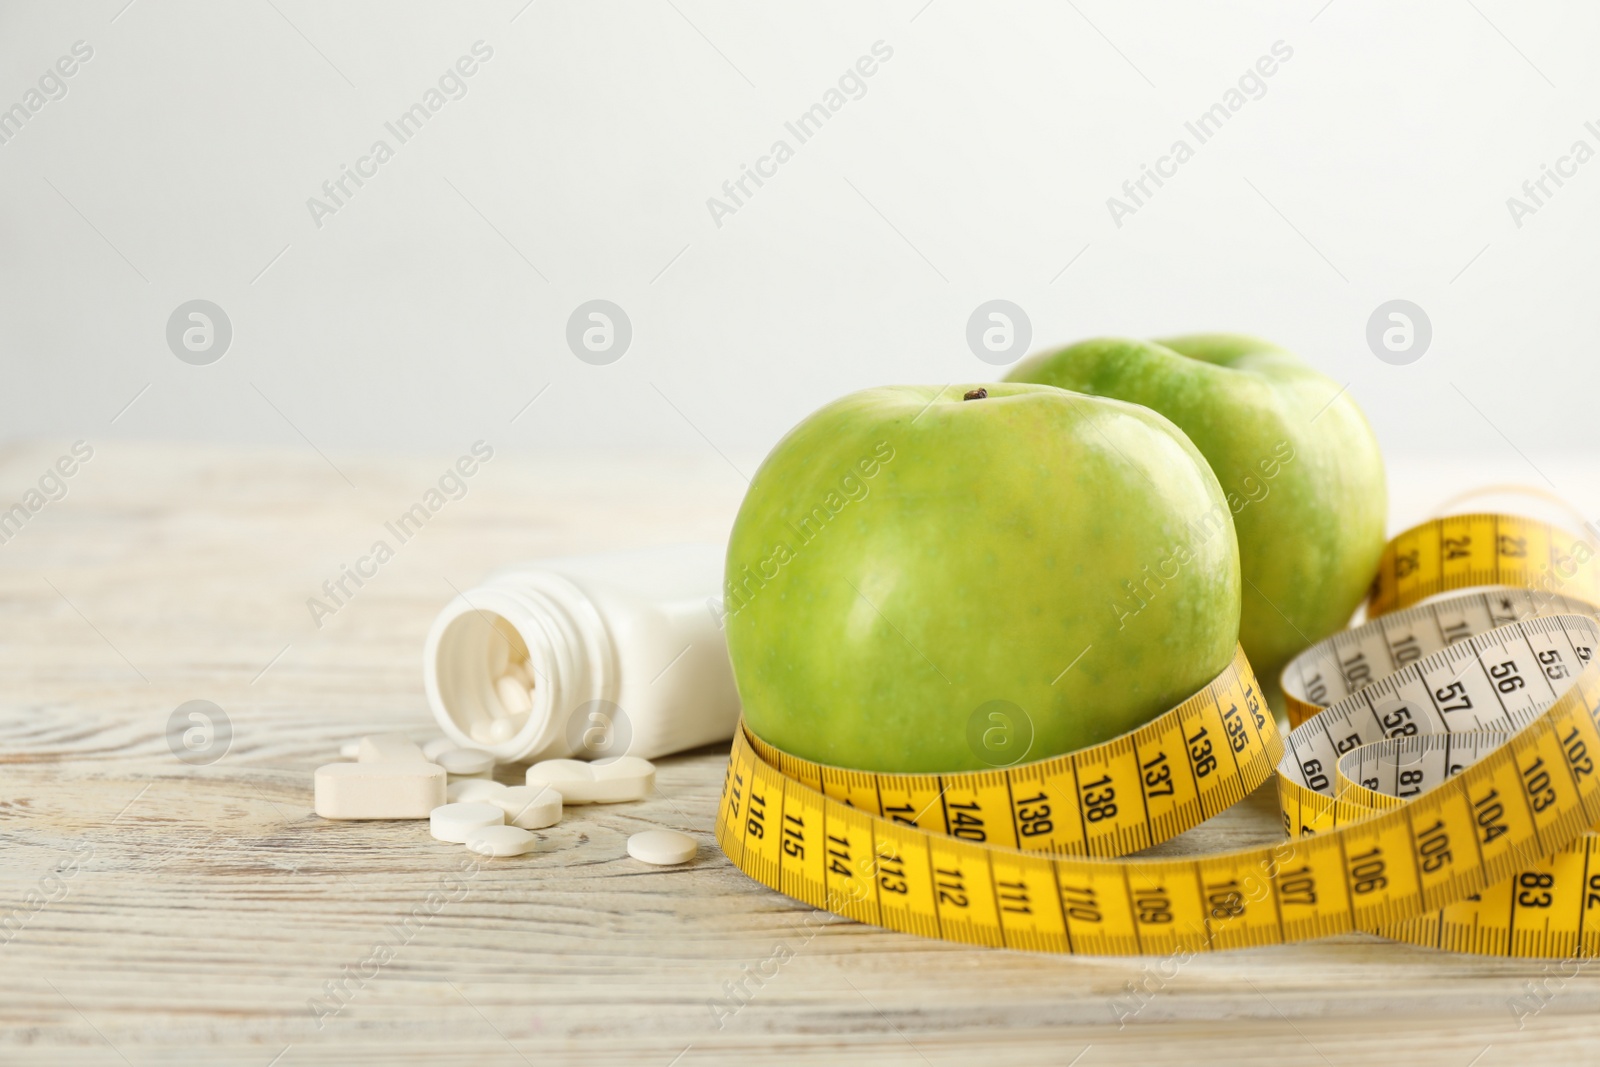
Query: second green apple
<point x="1297" y="461"/>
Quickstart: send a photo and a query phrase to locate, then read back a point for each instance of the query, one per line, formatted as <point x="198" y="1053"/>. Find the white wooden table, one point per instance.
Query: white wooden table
<point x="207" y="906"/>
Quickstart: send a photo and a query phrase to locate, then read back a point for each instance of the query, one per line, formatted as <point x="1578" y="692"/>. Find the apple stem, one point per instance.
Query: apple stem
<point x="976" y="394"/>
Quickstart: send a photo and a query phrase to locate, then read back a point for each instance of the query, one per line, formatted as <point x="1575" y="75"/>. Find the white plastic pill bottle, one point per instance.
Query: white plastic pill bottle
<point x="589" y="656"/>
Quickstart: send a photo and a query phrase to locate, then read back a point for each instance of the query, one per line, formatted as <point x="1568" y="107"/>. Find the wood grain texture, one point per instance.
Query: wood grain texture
<point x="208" y="905"/>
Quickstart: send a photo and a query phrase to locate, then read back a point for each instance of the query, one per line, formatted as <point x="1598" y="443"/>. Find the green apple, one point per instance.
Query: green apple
<point x="1296" y="458"/>
<point x="907" y="561"/>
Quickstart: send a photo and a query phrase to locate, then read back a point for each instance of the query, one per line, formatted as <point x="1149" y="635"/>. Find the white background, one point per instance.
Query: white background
<point x="976" y="166"/>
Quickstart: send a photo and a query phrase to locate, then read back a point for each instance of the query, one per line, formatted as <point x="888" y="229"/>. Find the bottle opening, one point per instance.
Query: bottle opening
<point x="547" y="655"/>
<point x="487" y="682"/>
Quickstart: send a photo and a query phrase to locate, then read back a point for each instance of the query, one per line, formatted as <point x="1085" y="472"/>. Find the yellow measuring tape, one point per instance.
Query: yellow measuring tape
<point x="1437" y="789"/>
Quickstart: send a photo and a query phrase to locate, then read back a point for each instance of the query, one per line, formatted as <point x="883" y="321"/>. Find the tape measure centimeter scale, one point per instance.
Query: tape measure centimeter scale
<point x="990" y="857"/>
<point x="1536" y="569"/>
<point x="1544" y="909"/>
<point x="1482" y="549"/>
<point x="1350" y="660"/>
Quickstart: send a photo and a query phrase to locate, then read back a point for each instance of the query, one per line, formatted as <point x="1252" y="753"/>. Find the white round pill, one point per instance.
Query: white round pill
<point x="606" y="782"/>
<point x="500" y="841"/>
<point x="502" y="730"/>
<point x="431" y="750"/>
<point x="624" y="767"/>
<point x="350" y="749"/>
<point x="662" y="847"/>
<point x="529" y="806"/>
<point x="514" y="699"/>
<point x="465" y="789"/>
<point x="467" y="762"/>
<point x="453" y="822"/>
